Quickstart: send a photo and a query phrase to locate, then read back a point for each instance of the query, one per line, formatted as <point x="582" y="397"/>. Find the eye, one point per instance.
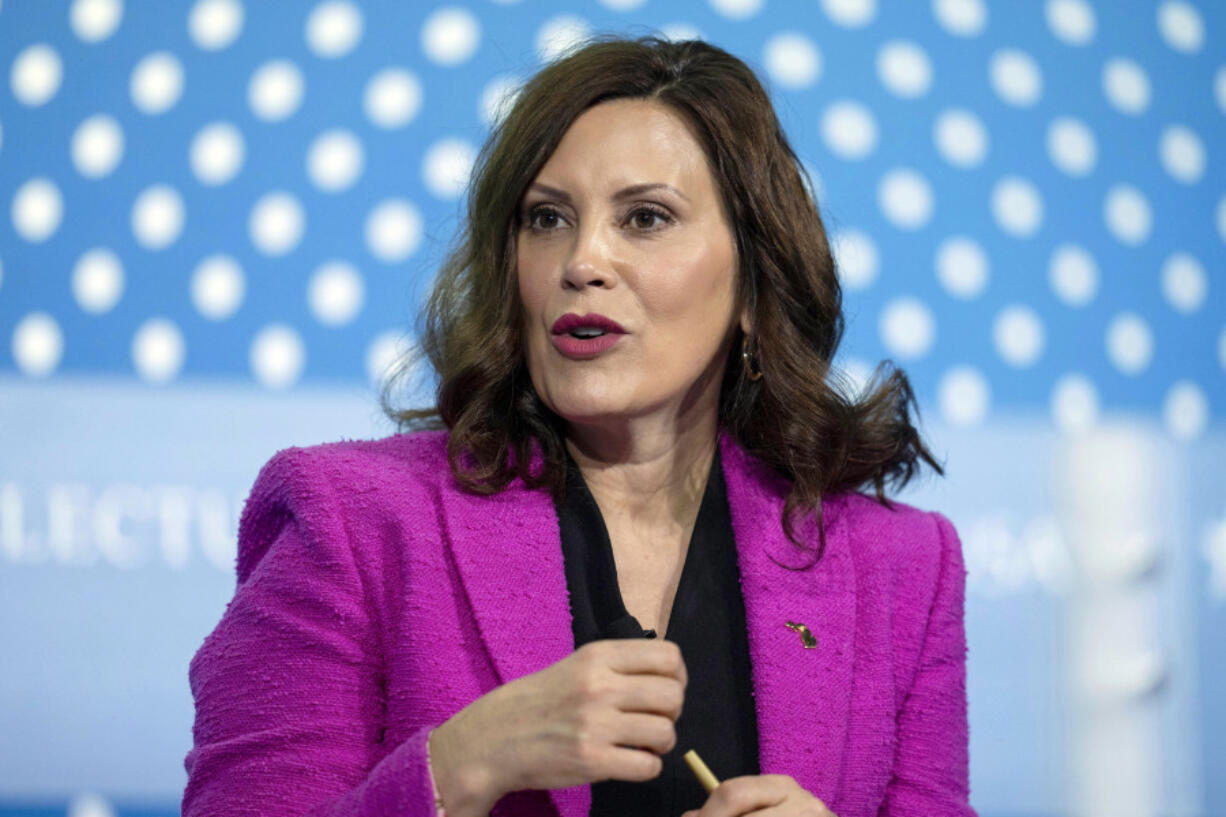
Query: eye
<point x="646" y="218"/>
<point x="542" y="212"/>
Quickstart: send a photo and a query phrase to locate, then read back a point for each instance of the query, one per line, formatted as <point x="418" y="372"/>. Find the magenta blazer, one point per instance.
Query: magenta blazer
<point x="375" y="599"/>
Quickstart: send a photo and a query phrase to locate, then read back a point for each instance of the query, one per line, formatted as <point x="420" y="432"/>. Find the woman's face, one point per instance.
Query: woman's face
<point x="624" y="221"/>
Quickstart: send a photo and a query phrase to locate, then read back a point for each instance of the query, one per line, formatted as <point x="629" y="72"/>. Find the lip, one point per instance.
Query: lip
<point x="571" y="321"/>
<point x="585" y="348"/>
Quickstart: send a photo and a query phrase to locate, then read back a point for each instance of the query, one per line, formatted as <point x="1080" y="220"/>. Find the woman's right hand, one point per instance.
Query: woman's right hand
<point x="606" y="711"/>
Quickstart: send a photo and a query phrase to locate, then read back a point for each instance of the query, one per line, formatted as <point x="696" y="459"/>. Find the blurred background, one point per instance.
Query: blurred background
<point x="219" y="218"/>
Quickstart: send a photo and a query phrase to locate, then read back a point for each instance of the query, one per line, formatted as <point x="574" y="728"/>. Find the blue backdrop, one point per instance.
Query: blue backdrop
<point x="220" y="218"/>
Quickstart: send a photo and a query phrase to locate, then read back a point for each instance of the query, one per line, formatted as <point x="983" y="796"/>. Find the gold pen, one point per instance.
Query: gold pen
<point x="700" y="770"/>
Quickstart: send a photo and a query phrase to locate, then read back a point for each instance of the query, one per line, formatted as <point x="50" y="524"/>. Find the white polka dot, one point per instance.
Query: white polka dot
<point x="1130" y="343"/>
<point x="1219" y="88"/>
<point x="1185" y="411"/>
<point x="89" y="804"/>
<point x="962" y="267"/>
<point x="1182" y="154"/>
<point x="1017" y="206"/>
<point x="962" y="18"/>
<point x="97" y="146"/>
<point x="214" y="24"/>
<point x="450" y="36"/>
<point x="1181" y="26"/>
<point x="849" y="130"/>
<point x="95" y="20"/>
<point x="36" y="75"/>
<point x="384" y="354"/>
<point x="856" y="258"/>
<point x="1074" y="403"/>
<point x="333" y="28"/>
<point x="276" y="223"/>
<point x="964" y="396"/>
<point x="446" y="167"/>
<point x="275" y="90"/>
<point x="277" y="356"/>
<point x="559" y="35"/>
<point x="1018" y="336"/>
<point x="157" y="83"/>
<point x="907" y="328"/>
<point x="678" y="32"/>
<point x="335" y="160"/>
<point x="218" y="287"/>
<point x="1221" y="349"/>
<point x="335" y="293"/>
<point x="1221" y="218"/>
<point x="393" y="98"/>
<point x="1015" y="77"/>
<point x="393" y="230"/>
<point x="38" y="208"/>
<point x="1184" y="282"/>
<point x="217" y="153"/>
<point x="1071" y="146"/>
<point x="737" y="9"/>
<point x="97" y="280"/>
<point x="38" y="344"/>
<point x="905" y="198"/>
<point x="1127" y="214"/>
<point x="1072" y="21"/>
<point x="1126" y="86"/>
<point x="158" y="350"/>
<point x="904" y="69"/>
<point x="1073" y="275"/>
<point x="961" y="138"/>
<point x="498" y="98"/>
<point x="850" y="13"/>
<point x="622" y="5"/>
<point x="157" y="217"/>
<point x="792" y="60"/>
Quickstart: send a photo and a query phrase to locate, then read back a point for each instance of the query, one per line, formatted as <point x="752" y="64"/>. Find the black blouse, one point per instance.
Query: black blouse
<point x="707" y="622"/>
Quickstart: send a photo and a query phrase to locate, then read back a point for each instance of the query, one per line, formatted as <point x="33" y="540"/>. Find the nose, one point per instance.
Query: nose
<point x="589" y="261"/>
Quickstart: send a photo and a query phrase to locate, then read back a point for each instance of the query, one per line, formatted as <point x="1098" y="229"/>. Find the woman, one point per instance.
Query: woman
<point x="630" y="526"/>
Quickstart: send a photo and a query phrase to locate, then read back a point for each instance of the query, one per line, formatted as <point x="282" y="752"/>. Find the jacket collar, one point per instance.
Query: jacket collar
<point x="507" y="550"/>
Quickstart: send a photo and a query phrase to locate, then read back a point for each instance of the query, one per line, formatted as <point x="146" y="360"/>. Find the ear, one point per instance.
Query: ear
<point x="746" y="326"/>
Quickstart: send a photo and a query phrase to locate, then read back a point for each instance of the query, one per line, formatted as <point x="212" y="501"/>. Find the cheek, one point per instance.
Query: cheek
<point x="692" y="286"/>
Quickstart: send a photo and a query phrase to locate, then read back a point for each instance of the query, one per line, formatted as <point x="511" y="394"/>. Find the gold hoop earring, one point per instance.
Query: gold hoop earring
<point x="748" y="361"/>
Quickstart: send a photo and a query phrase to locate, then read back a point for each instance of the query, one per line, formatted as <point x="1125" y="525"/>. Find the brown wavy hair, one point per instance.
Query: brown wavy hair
<point x="802" y="417"/>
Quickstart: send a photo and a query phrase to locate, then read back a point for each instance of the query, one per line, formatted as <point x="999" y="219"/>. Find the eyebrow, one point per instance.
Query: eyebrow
<point x="624" y="193"/>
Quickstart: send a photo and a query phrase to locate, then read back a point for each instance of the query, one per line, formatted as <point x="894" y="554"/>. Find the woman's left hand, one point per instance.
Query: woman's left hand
<point x="768" y="795"/>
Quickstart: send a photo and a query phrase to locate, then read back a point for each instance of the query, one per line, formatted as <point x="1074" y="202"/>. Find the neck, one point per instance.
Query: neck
<point x="652" y="474"/>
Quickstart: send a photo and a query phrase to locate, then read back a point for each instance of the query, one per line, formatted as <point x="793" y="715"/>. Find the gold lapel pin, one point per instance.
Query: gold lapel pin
<point x="807" y="638"/>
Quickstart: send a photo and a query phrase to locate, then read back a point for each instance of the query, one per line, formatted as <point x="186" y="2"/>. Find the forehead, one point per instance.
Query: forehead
<point x="627" y="141"/>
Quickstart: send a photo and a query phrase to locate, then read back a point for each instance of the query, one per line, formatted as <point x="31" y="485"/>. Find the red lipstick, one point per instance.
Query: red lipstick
<point x="582" y="337"/>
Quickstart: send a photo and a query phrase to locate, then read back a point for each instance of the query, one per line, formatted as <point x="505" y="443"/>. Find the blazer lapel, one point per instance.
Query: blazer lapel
<point x="802" y="696"/>
<point x="508" y="552"/>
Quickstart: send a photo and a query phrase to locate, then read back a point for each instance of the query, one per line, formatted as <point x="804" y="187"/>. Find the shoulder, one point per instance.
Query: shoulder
<point x="916" y="549"/>
<point x="416" y="456"/>
<point x="328" y="488"/>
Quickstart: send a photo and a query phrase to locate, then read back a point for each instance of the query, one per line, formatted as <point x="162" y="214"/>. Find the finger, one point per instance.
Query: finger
<point x="635" y="765"/>
<point x="651" y="693"/>
<point x="642" y="731"/>
<point x="631" y="656"/>
<point x="738" y="796"/>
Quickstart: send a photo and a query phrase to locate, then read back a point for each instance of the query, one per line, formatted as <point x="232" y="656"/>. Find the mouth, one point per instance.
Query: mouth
<point x="586" y="327"/>
<point x="582" y="337"/>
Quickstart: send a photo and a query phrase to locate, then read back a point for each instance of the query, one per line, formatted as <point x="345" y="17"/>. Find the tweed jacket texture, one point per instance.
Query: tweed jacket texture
<point x="375" y="599"/>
